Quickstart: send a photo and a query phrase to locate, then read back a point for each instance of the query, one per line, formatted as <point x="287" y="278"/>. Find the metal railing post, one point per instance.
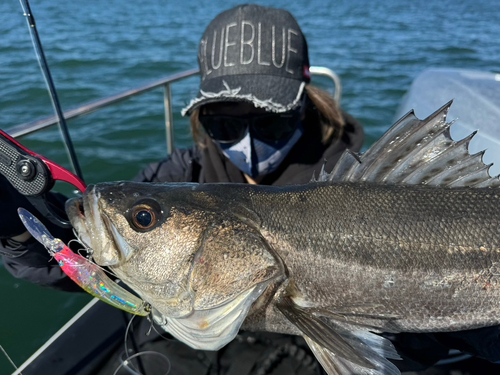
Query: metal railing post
<point x="166" y="82"/>
<point x="85" y="109"/>
<point x="322" y="71"/>
<point x="169" y="120"/>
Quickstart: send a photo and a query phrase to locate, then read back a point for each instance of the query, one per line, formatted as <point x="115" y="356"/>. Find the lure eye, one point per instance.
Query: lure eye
<point x="144" y="217"/>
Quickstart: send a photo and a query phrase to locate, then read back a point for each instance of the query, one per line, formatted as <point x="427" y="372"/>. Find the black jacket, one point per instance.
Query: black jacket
<point x="249" y="353"/>
<point x="208" y="164"/>
<point x="242" y="356"/>
<point x="30" y="261"/>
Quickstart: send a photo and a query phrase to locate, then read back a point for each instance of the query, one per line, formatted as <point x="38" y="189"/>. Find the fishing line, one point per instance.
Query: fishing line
<point x="125" y="362"/>
<point x="150" y="352"/>
<point x="154" y="328"/>
<point x="126" y="333"/>
<point x="12" y="362"/>
<point x="104" y="269"/>
<point x="126" y="346"/>
<point x="89" y="251"/>
<point x="81" y="242"/>
<point x="81" y="249"/>
<point x="89" y="258"/>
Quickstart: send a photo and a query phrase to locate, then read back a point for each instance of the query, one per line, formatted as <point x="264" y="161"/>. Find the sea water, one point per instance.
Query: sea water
<point x="99" y="48"/>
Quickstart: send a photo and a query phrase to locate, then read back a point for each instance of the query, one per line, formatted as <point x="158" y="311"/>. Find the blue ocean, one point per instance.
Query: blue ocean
<point x="100" y="48"/>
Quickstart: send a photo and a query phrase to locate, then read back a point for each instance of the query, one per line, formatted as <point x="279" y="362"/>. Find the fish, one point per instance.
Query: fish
<point x="402" y="238"/>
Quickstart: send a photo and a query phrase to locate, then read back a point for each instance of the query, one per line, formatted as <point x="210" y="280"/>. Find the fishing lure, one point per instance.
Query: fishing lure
<point x="86" y="274"/>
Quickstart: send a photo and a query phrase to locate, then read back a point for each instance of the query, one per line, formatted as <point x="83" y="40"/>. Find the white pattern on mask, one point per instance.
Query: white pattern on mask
<point x="267" y="157"/>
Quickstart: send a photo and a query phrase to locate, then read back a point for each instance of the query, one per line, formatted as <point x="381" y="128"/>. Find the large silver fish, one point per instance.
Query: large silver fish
<point x="405" y="238"/>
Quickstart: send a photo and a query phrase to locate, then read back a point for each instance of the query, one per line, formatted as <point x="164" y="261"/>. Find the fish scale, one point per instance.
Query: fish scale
<point x="403" y="238"/>
<point x="394" y="258"/>
<point x="447" y="220"/>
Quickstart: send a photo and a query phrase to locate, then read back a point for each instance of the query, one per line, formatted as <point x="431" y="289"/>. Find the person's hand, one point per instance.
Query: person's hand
<point x="10" y="200"/>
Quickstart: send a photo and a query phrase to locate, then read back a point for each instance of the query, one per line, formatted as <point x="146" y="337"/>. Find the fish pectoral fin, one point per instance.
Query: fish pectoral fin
<point x="339" y="349"/>
<point x="336" y="365"/>
<point x="320" y="332"/>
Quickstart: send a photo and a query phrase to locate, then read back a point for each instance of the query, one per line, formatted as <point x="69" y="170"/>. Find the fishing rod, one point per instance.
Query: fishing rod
<point x="42" y="61"/>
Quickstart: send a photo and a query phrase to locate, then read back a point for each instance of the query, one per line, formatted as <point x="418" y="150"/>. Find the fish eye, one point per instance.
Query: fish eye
<point x="144" y="217"/>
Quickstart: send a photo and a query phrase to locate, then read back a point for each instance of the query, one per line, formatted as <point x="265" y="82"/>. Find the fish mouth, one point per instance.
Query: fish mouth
<point x="91" y="228"/>
<point x="76" y="213"/>
<point x="109" y="248"/>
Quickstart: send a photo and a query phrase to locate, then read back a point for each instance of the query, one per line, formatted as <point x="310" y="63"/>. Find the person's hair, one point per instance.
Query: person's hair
<point x="320" y="105"/>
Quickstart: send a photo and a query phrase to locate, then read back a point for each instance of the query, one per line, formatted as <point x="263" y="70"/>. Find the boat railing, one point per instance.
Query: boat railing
<point x="166" y="82"/>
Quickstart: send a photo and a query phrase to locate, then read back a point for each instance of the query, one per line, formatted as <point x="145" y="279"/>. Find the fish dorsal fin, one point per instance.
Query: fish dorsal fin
<point x="415" y="152"/>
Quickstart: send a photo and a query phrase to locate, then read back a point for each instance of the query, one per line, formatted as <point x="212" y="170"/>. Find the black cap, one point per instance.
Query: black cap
<point x="254" y="54"/>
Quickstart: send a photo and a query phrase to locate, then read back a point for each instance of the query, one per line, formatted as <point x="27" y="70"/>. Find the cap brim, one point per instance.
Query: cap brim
<point x="273" y="93"/>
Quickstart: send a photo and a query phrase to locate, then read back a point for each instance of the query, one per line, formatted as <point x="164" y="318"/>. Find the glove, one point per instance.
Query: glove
<point x="10" y="200"/>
